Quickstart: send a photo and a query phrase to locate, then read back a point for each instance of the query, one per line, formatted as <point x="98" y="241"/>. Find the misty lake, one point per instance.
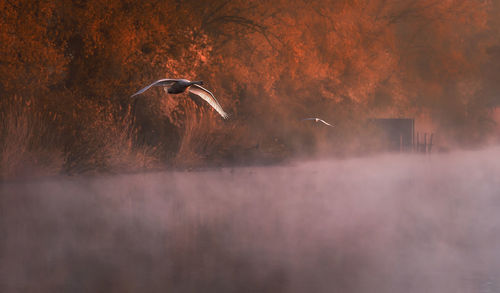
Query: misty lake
<point x="388" y="223"/>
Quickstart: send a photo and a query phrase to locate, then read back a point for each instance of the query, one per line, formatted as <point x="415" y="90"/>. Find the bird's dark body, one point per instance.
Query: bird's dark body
<point x="180" y="86"/>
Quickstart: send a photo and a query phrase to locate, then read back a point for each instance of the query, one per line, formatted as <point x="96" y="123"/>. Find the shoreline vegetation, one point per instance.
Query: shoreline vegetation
<point x="68" y="68"/>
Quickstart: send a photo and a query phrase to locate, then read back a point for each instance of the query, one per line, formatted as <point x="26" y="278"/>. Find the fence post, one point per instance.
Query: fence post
<point x="430" y="143"/>
<point x="424" y="150"/>
<point x="417" y="149"/>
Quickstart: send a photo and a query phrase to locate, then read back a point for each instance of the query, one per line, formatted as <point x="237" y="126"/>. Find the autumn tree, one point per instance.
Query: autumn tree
<point x="269" y="64"/>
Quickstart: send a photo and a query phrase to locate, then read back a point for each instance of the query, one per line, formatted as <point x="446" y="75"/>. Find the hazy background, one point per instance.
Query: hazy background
<point x="68" y="68"/>
<point x="387" y="223"/>
<point x="103" y="193"/>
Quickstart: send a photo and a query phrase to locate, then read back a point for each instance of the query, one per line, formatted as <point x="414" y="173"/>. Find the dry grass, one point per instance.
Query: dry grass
<point x="105" y="142"/>
<point x="35" y="141"/>
<point x="25" y="136"/>
<point x="207" y="138"/>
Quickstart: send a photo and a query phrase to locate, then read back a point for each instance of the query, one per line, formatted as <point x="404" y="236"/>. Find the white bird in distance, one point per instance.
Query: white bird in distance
<point x="319" y="120"/>
<point x="177" y="86"/>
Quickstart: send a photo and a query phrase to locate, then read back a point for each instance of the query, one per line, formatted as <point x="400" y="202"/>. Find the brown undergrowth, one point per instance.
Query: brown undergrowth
<point x="35" y="140"/>
<point x="27" y="144"/>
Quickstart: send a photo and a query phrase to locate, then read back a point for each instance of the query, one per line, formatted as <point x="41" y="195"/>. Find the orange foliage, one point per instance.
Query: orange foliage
<point x="269" y="64"/>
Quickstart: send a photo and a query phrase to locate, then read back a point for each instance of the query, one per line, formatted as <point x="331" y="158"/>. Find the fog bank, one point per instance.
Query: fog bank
<point x="390" y="223"/>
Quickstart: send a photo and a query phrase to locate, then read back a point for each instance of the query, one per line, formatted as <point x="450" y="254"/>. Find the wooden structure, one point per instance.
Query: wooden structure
<point x="400" y="136"/>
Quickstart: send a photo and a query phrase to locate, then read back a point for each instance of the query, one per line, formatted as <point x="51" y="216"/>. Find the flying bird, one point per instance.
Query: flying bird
<point x="319" y="120"/>
<point x="177" y="86"/>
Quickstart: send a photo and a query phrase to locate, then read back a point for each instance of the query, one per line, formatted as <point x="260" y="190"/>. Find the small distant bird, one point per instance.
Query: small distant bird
<point x="177" y="86"/>
<point x="319" y="120"/>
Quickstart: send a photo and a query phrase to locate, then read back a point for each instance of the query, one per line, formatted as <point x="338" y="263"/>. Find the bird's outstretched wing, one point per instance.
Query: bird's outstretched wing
<point x="160" y="82"/>
<point x="319" y="120"/>
<point x="209" y="98"/>
<point x="326" y="123"/>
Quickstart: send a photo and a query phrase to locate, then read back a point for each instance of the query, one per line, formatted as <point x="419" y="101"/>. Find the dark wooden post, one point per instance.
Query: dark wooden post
<point x="430" y="143"/>
<point x="424" y="149"/>
<point x="418" y="144"/>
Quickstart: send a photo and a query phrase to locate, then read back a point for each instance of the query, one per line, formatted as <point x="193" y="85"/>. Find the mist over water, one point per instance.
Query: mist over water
<point x="387" y="223"/>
